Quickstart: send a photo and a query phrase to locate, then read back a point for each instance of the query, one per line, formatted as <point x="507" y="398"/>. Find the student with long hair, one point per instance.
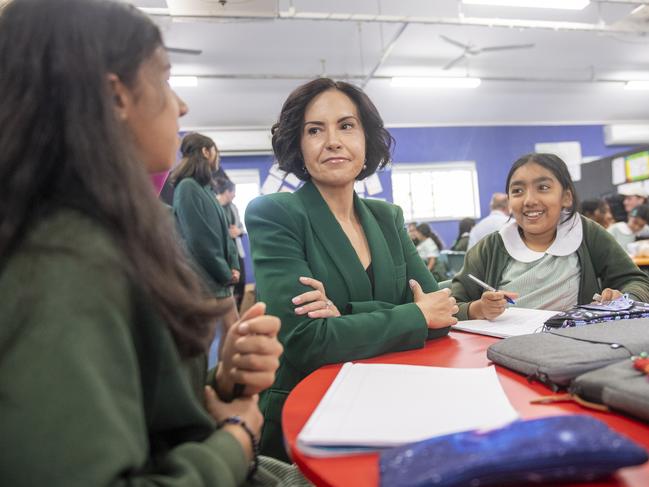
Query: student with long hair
<point x="548" y="255"/>
<point x="202" y="224"/>
<point x="101" y="320"/>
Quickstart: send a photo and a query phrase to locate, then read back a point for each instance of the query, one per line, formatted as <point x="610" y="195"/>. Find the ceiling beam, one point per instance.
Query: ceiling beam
<point x="292" y="14"/>
<point x="360" y="78"/>
<point x="384" y="55"/>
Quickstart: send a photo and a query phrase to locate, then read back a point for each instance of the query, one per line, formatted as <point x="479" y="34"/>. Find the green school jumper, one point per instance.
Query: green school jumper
<point x="93" y="392"/>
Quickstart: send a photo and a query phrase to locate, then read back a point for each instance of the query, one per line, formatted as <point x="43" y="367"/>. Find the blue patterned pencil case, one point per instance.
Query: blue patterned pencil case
<point x="553" y="449"/>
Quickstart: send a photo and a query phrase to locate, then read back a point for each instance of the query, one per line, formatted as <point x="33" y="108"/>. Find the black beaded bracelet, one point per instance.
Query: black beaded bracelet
<point x="255" y="444"/>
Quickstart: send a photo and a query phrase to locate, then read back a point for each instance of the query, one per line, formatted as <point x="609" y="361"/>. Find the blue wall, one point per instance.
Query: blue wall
<point x="493" y="149"/>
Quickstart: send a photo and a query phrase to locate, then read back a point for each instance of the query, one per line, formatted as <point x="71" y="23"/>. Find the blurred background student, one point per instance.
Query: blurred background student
<point x="226" y="191"/>
<point x="634" y="196"/>
<point x="428" y="245"/>
<point x="204" y="228"/>
<point x="636" y="227"/>
<point x="598" y="210"/>
<point x="461" y="243"/>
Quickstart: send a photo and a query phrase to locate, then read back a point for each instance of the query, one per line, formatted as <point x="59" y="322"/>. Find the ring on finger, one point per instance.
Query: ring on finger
<point x="328" y="303"/>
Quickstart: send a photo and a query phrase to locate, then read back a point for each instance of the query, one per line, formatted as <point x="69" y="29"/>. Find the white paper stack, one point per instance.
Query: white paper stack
<point x="513" y="322"/>
<point x="373" y="406"/>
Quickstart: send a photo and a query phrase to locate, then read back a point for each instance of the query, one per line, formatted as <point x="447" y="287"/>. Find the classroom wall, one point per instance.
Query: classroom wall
<point x="493" y="149"/>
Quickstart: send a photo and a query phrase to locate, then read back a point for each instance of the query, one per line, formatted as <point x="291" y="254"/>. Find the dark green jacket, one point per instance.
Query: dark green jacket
<point x="295" y="235"/>
<point x="204" y="229"/>
<point x="93" y="392"/>
<point x="603" y="264"/>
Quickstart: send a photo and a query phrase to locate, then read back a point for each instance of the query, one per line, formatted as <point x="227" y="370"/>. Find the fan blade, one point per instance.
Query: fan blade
<point x="507" y="47"/>
<point x="179" y="50"/>
<point x="455" y="43"/>
<point x="454" y="62"/>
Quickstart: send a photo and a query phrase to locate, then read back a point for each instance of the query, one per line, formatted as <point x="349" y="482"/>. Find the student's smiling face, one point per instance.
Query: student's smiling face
<point x="333" y="139"/>
<point x="536" y="199"/>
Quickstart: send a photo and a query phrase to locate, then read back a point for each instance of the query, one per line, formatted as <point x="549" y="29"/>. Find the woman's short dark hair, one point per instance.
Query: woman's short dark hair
<point x="557" y="167"/>
<point x="287" y="132"/>
<point x="63" y="146"/>
<point x="194" y="164"/>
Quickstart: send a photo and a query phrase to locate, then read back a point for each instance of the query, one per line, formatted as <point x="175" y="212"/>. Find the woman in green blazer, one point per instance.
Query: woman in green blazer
<point x="339" y="271"/>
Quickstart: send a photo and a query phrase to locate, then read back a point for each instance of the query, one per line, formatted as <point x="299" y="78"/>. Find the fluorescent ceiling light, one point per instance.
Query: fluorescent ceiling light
<point x="558" y="4"/>
<point x="637" y="85"/>
<point x="182" y="81"/>
<point x="424" y="82"/>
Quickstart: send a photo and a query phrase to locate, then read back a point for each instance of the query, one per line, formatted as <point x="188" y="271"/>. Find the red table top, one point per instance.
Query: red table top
<point x="457" y="350"/>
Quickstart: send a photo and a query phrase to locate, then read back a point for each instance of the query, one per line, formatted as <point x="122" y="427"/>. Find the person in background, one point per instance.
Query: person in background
<point x="493" y="222"/>
<point x="597" y="209"/>
<point x="202" y="224"/>
<point x="412" y="228"/>
<point x="102" y="322"/>
<point x="635" y="228"/>
<point x="548" y="256"/>
<point x="226" y="191"/>
<point x="339" y="271"/>
<point x="427" y="245"/>
<point x="633" y="196"/>
<point x="461" y="244"/>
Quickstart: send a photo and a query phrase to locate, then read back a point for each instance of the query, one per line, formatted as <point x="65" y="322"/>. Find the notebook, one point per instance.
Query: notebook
<point x="373" y="406"/>
<point x="513" y="322"/>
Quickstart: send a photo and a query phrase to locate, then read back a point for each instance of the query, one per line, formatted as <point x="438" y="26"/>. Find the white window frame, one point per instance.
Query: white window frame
<point x="412" y="213"/>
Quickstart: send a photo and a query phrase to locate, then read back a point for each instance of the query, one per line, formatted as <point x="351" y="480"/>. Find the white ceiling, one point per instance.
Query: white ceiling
<point x="248" y="66"/>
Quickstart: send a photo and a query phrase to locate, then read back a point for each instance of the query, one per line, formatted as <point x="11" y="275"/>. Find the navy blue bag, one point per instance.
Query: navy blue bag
<point x="569" y="448"/>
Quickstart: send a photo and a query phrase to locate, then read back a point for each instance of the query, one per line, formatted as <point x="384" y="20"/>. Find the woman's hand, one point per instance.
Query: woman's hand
<point x="250" y="354"/>
<point x="490" y="305"/>
<point x="609" y="294"/>
<point x="247" y="409"/>
<point x="314" y="304"/>
<point x="437" y="307"/>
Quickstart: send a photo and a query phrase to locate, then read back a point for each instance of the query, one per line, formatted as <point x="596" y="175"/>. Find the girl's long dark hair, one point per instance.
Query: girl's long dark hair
<point x="194" y="164"/>
<point x="61" y="145"/>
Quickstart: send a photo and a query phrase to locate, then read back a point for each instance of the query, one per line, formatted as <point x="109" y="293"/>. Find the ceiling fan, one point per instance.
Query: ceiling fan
<point x="470" y="50"/>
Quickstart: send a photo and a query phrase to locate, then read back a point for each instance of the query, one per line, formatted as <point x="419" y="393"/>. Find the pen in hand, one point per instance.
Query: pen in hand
<point x="487" y="287"/>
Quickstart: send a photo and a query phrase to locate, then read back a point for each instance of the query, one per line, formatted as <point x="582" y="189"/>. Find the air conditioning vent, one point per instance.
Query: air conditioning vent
<point x="240" y="142"/>
<point x="626" y="134"/>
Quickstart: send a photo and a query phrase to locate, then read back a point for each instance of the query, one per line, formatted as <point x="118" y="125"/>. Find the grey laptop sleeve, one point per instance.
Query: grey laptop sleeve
<point x="620" y="386"/>
<point x="558" y="356"/>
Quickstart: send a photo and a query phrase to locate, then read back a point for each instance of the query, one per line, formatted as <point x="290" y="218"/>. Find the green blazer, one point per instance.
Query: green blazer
<point x="293" y="235"/>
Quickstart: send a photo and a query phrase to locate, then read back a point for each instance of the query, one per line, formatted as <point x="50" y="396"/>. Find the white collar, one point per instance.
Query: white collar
<point x="567" y="241"/>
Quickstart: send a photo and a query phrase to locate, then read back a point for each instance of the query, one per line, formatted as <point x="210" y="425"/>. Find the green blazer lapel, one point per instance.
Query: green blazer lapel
<point x="382" y="261"/>
<point x="336" y="243"/>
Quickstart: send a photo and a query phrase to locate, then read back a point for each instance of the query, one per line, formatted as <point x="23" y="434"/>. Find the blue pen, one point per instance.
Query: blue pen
<point x="486" y="286"/>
